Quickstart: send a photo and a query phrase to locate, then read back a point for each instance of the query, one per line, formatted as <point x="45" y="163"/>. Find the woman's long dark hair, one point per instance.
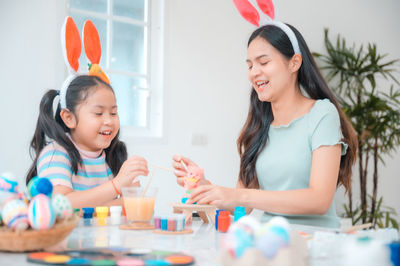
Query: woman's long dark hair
<point x="50" y="127"/>
<point x="254" y="134"/>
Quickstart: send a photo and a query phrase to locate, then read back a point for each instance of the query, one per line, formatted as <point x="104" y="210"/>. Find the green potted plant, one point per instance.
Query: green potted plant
<point x="354" y="73"/>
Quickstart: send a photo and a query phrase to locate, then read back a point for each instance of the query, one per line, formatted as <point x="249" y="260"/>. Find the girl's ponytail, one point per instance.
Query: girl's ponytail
<point x="50" y="126"/>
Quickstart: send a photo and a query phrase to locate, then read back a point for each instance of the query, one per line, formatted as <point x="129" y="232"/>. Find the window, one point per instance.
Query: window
<point x="131" y="36"/>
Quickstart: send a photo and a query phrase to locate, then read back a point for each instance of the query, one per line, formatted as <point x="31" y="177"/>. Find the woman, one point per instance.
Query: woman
<point x="296" y="146"/>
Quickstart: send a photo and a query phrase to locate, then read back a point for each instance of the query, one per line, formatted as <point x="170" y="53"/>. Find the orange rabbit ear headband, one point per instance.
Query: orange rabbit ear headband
<point x="72" y="47"/>
<point x="250" y="13"/>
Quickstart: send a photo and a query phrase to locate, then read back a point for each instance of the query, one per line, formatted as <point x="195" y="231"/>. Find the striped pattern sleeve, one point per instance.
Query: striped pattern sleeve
<point x="55" y="164"/>
<point x="91" y="175"/>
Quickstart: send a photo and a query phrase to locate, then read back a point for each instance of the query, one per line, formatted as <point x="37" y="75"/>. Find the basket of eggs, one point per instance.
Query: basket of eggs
<point x="36" y="221"/>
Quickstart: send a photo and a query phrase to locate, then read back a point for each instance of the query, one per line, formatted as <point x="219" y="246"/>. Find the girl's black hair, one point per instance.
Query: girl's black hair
<point x="51" y="127"/>
<point x="254" y="134"/>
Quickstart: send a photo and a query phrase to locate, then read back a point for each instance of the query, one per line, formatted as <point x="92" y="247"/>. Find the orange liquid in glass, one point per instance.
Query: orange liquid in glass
<point x="139" y="209"/>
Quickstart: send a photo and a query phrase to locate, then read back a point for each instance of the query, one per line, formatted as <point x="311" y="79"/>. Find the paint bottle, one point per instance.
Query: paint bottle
<point x="171" y="223"/>
<point x="216" y="219"/>
<point x="102" y="213"/>
<point x="395" y="252"/>
<point x="239" y="212"/>
<point x="115" y="213"/>
<point x="180" y="222"/>
<point x="224" y="220"/>
<point x="164" y="223"/>
<point x="87" y="216"/>
<point x="157" y="222"/>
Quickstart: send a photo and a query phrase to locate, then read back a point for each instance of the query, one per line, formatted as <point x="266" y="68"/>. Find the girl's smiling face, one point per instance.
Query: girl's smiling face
<point x="269" y="71"/>
<point x="97" y="121"/>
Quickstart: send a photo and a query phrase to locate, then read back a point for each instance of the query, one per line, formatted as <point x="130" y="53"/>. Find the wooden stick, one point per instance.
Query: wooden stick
<point x="184" y="166"/>
<point x="148" y="183"/>
<point x="356" y="227"/>
<point x="162" y="167"/>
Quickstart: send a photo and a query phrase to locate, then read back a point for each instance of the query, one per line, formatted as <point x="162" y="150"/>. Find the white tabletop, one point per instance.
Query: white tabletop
<point x="203" y="244"/>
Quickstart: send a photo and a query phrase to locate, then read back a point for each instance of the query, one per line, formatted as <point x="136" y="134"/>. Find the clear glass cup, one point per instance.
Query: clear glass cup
<point x="139" y="207"/>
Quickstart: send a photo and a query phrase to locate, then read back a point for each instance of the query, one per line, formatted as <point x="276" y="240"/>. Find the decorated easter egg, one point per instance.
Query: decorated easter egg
<point x="39" y="185"/>
<point x="62" y="206"/>
<point x="281" y="222"/>
<point x="241" y="235"/>
<point x="41" y="214"/>
<point x="8" y="182"/>
<point x="8" y="187"/>
<point x="238" y="240"/>
<point x="15" y="214"/>
<point x="250" y="223"/>
<point x="273" y="236"/>
<point x="5" y="196"/>
<point x="270" y="243"/>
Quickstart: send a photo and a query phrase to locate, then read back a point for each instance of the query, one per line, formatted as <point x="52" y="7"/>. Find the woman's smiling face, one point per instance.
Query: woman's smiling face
<point x="269" y="71"/>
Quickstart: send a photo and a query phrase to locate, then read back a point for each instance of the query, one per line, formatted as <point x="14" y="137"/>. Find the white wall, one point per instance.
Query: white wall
<point x="206" y="88"/>
<point x="30" y="63"/>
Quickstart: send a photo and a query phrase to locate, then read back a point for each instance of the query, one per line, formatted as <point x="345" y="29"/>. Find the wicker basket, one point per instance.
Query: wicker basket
<point x="30" y="240"/>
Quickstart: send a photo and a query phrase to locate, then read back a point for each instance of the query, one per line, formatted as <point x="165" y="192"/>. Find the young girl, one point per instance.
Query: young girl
<point x="78" y="149"/>
<point x="296" y="146"/>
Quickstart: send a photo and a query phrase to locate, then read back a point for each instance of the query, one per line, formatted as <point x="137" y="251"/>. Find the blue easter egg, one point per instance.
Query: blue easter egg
<point x="41" y="213"/>
<point x="40" y="185"/>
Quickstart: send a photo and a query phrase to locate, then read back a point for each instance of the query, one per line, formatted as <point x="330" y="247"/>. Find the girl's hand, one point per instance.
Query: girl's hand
<point x="130" y="169"/>
<point x="180" y="172"/>
<point x="221" y="197"/>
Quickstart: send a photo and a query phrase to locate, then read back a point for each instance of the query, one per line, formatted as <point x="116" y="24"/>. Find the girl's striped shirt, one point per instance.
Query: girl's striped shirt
<point x="55" y="164"/>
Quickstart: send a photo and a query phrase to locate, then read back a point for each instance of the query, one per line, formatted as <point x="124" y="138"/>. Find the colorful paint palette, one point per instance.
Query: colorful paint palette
<point x="111" y="256"/>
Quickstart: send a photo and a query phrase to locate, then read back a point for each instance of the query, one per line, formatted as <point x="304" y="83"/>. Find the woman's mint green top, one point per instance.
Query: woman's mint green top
<point x="285" y="162"/>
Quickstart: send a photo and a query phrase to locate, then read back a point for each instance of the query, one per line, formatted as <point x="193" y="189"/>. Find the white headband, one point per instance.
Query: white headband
<point x="250" y="13"/>
<point x="63" y="91"/>
<point x="286" y="29"/>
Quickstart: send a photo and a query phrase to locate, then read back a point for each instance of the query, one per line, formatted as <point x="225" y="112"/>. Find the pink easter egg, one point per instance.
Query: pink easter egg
<point x="41" y="214"/>
<point x="15" y="214"/>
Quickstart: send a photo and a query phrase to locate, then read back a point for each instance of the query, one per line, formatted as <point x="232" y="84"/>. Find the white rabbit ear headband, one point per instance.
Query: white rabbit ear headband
<point x="72" y="47"/>
<point x="250" y="13"/>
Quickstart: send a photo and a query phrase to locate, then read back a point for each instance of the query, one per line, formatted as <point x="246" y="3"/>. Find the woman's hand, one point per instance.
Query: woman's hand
<point x="180" y="171"/>
<point x="130" y="169"/>
<point x="221" y="197"/>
